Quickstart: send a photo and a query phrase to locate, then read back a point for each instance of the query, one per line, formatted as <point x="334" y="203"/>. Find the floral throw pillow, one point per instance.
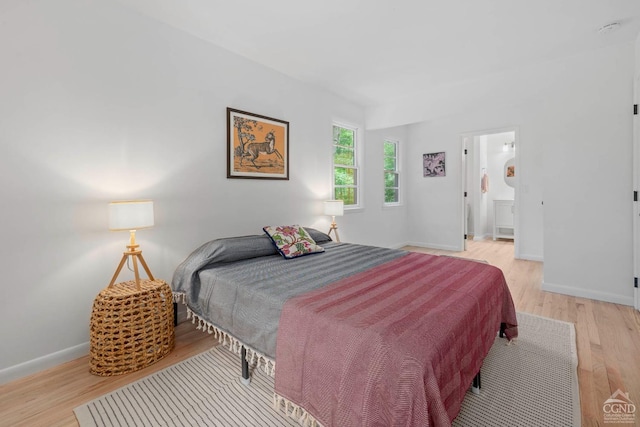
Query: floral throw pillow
<point x="292" y="240"/>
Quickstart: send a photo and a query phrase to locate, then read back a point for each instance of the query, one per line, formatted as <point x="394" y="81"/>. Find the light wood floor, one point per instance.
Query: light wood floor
<point x="607" y="335"/>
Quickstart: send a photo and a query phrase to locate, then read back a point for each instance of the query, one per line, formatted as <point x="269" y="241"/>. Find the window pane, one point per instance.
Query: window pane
<point x="391" y="195"/>
<point x="390" y="179"/>
<point x="347" y="194"/>
<point x="345" y="176"/>
<point x="389" y="149"/>
<point x="345" y="165"/>
<point x="336" y="134"/>
<point x="390" y="163"/>
<point x="391" y="172"/>
<point x="343" y="137"/>
<point x="343" y="156"/>
<point x="347" y="137"/>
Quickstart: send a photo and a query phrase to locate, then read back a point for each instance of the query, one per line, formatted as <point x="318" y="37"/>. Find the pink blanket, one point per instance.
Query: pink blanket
<point x="397" y="345"/>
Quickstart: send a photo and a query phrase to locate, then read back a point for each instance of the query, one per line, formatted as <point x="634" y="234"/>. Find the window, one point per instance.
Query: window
<point x="391" y="173"/>
<point x="345" y="166"/>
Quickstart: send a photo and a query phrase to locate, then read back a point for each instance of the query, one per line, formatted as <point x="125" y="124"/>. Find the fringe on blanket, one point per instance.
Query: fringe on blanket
<point x="233" y="344"/>
<point x="294" y="411"/>
<point x="179" y="298"/>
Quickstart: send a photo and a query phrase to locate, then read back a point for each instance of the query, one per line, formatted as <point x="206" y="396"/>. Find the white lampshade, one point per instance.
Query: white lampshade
<point x="334" y="207"/>
<point x="130" y="215"/>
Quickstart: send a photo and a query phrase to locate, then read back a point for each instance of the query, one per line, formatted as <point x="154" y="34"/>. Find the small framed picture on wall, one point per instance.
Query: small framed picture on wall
<point x="433" y="164"/>
<point x="257" y="146"/>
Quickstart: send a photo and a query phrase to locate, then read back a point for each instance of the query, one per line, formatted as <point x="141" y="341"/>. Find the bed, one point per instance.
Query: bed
<point x="362" y="335"/>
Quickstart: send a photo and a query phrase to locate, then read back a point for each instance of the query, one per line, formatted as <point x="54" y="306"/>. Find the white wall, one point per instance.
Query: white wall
<point x="574" y="148"/>
<point x="378" y="223"/>
<point x="588" y="180"/>
<point x="99" y="103"/>
<point x="435" y="206"/>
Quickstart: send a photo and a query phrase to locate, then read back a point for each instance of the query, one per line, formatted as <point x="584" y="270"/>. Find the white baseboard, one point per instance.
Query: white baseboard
<point x="435" y="246"/>
<point x="528" y="257"/>
<point x="399" y="245"/>
<point x="585" y="293"/>
<point x="45" y="362"/>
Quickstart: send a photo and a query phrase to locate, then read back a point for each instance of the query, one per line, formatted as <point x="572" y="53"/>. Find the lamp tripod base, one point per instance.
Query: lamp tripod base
<point x="136" y="255"/>
<point x="334" y="228"/>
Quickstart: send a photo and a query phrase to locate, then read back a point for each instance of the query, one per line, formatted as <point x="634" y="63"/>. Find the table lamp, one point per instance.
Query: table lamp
<point x="334" y="208"/>
<point x="131" y="215"/>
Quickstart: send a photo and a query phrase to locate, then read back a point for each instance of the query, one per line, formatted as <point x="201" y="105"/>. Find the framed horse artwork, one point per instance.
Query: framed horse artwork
<point x="257" y="146"/>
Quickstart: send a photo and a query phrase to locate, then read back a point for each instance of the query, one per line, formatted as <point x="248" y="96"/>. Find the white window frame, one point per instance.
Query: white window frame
<point x="397" y="171"/>
<point x="356" y="157"/>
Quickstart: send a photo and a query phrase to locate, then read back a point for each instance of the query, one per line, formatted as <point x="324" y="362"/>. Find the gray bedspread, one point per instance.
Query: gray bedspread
<point x="240" y="284"/>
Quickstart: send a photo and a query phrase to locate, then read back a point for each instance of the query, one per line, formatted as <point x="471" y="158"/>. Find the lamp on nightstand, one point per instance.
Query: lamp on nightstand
<point x="131" y="322"/>
<point x="334" y="208"/>
<point x="131" y="215"/>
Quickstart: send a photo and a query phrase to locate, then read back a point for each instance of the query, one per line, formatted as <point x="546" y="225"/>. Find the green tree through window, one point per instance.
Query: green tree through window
<point x="391" y="174"/>
<point x="345" y="169"/>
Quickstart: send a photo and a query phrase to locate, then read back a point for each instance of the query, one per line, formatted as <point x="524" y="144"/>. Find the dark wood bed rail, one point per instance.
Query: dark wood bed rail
<point x="175" y="314"/>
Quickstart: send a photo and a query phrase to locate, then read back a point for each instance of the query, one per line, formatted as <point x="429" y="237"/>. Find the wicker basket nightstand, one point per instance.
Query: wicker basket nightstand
<point x="131" y="328"/>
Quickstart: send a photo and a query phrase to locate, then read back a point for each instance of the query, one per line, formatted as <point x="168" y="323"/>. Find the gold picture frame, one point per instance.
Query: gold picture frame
<point x="257" y="146"/>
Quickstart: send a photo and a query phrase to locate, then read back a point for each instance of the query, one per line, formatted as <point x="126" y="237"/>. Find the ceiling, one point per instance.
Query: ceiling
<point x="376" y="52"/>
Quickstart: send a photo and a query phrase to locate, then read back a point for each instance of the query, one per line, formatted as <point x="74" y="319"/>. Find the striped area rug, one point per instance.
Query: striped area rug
<point x="532" y="383"/>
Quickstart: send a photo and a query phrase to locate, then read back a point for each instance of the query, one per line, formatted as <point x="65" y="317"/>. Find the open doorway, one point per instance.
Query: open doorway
<point x="490" y="190"/>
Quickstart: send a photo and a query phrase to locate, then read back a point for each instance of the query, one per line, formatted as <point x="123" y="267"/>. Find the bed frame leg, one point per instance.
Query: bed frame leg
<point x="475" y="387"/>
<point x="503" y="327"/>
<point x="245" y="367"/>
<point x="175" y="314"/>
